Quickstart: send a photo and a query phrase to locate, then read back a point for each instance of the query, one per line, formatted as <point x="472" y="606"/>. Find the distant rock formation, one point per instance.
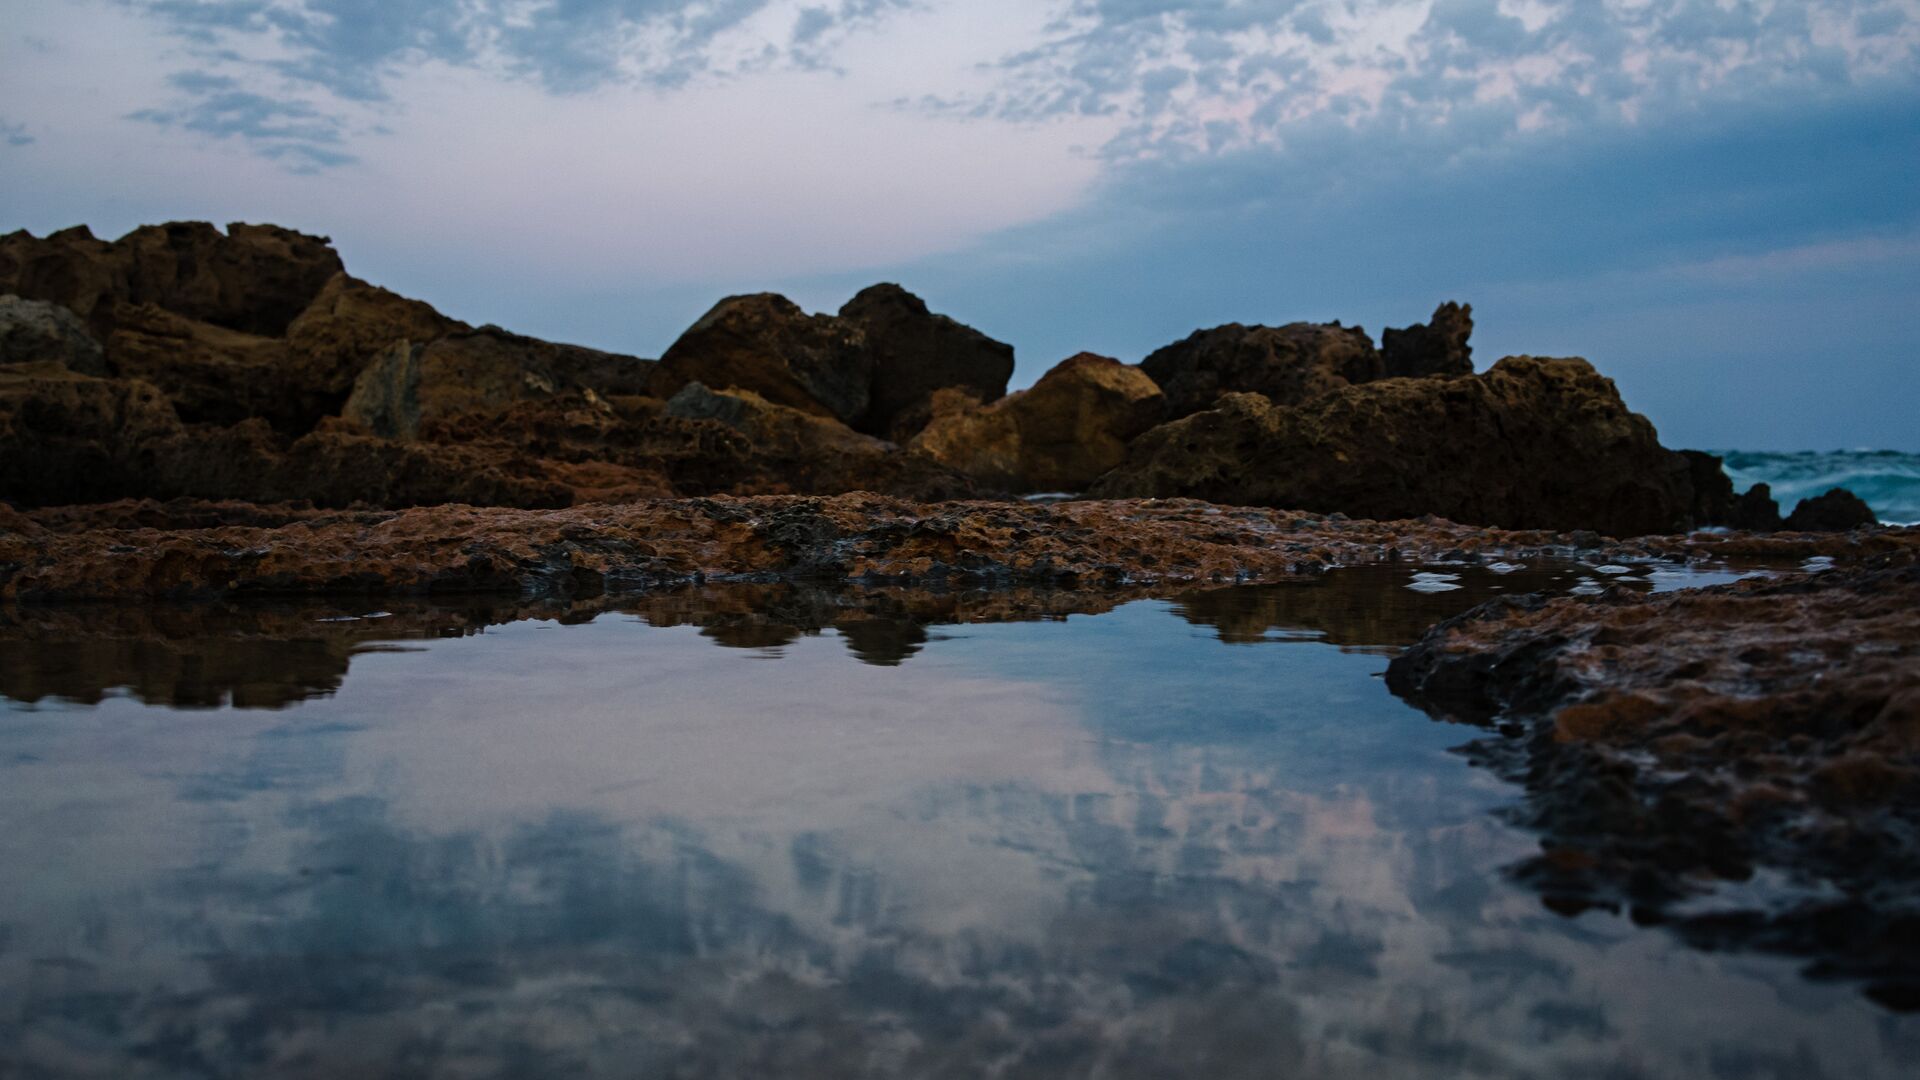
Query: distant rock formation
<point x="1532" y="443"/>
<point x="1435" y="347"/>
<point x="1836" y="511"/>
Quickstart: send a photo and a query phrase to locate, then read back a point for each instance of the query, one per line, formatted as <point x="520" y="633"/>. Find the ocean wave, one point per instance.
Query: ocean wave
<point x="1888" y="480"/>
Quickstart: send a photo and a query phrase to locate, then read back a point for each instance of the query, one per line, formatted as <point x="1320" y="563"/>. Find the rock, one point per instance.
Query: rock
<point x="348" y="324"/>
<point x="1436" y="348"/>
<point x="66" y="437"/>
<point x="1068" y="429"/>
<point x="764" y="343"/>
<point x="35" y="330"/>
<point x="1289" y="364"/>
<point x="253" y="278"/>
<point x="1713" y="502"/>
<point x="1837" y="511"/>
<point x="1532" y="443"/>
<point x="1754" y="511"/>
<point x="413" y="386"/>
<point x="916" y="353"/>
<point x="210" y="373"/>
<point x="1672" y="741"/>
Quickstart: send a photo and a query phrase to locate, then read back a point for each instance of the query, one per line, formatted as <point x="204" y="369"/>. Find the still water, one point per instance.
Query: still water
<point x="769" y="832"/>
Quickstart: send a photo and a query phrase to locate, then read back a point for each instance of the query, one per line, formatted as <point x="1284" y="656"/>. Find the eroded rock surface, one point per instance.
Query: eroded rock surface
<point x="1680" y="744"/>
<point x="1836" y="511"/>
<point x="1288" y="364"/>
<point x="35" y="330"/>
<point x="917" y="353"/>
<point x="1531" y="443"/>
<point x="1437" y="347"/>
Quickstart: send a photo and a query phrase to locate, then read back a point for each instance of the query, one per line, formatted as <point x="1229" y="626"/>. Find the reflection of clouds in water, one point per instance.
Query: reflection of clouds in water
<point x="618" y="850"/>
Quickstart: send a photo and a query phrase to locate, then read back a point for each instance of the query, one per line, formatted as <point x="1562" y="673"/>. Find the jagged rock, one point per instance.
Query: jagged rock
<point x="798" y="452"/>
<point x="1436" y="347"/>
<point x="1289" y="364"/>
<point x="764" y="343"/>
<point x="66" y="437"/>
<point x="210" y="373"/>
<point x="36" y="330"/>
<point x="1069" y="428"/>
<point x="412" y="386"/>
<point x="1754" y="511"/>
<point x="253" y="278"/>
<point x="348" y="324"/>
<point x="1533" y="442"/>
<point x="1713" y="501"/>
<point x="1837" y="511"/>
<point x="916" y="353"/>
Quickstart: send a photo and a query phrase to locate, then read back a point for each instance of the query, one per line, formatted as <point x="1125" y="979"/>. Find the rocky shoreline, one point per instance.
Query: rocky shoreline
<point x="205" y="418"/>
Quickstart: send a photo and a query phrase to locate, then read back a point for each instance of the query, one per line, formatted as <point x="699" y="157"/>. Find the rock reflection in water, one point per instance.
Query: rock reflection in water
<point x="1112" y="847"/>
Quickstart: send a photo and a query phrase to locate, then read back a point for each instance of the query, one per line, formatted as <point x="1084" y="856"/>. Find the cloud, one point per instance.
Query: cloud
<point x="290" y="131"/>
<point x="14" y="134"/>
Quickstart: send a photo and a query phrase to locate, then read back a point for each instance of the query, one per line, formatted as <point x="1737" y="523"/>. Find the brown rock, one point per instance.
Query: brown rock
<point x="1755" y="510"/>
<point x="36" y="330"/>
<point x="412" y="385"/>
<point x="210" y="373"/>
<point x="1531" y="443"/>
<point x="1837" y="511"/>
<point x="253" y="278"/>
<point x="766" y="344"/>
<point x="1436" y="347"/>
<point x="1289" y="364"/>
<point x="348" y="324"/>
<point x="66" y="437"/>
<point x="1068" y="429"/>
<point x="916" y="353"/>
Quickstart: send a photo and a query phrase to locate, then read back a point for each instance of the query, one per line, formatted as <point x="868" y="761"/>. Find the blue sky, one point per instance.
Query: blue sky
<point x="1717" y="201"/>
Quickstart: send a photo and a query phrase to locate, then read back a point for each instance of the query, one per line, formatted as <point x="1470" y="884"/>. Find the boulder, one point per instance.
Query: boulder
<point x="1068" y="429"/>
<point x="1754" y="511"/>
<point x="1437" y="347"/>
<point x="1713" y="501"/>
<point x="764" y="343"/>
<point x="1532" y="443"/>
<point x="1837" y="511"/>
<point x="252" y="278"/>
<point x="1289" y="364"/>
<point x="915" y="353"/>
<point x="414" y="386"/>
<point x="36" y="330"/>
<point x="348" y="324"/>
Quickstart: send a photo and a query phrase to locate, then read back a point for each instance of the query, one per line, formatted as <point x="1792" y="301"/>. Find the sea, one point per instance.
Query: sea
<point x="1888" y="480"/>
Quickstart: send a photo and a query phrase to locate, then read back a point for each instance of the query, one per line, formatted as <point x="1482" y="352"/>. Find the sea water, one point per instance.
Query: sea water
<point x="770" y="832"/>
<point x="1888" y="480"/>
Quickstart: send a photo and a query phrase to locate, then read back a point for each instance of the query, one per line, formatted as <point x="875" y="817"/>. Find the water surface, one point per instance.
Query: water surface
<point x="779" y="832"/>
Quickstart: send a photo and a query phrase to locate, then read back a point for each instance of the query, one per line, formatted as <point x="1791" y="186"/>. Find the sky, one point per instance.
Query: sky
<point x="1715" y="201"/>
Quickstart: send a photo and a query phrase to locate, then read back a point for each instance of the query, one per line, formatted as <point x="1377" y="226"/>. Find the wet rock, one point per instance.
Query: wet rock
<point x="32" y="331"/>
<point x="1437" y="347"/>
<point x="1288" y="364"/>
<point x="252" y="278"/>
<point x="916" y="353"/>
<point x="764" y="343"/>
<point x="1068" y="429"/>
<point x="1755" y="510"/>
<point x="1531" y="443"/>
<point x="1836" y="511"/>
<point x="1672" y="743"/>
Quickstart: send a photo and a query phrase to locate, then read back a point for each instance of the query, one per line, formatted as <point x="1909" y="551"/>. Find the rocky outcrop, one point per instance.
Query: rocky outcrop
<point x="210" y="373"/>
<point x="252" y="278"/>
<point x="1068" y="429"/>
<point x="1437" y="347"/>
<point x="1836" y="511"/>
<point x="1532" y="443"/>
<point x="764" y="343"/>
<point x="917" y="353"/>
<point x="348" y="324"/>
<point x="69" y="437"/>
<point x="1754" y="510"/>
<point x="416" y="386"/>
<point x="1671" y="743"/>
<point x="32" y="331"/>
<point x="1288" y="364"/>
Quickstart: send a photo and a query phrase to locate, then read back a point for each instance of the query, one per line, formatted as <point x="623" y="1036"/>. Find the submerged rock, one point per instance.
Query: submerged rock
<point x="1836" y="511"/>
<point x="1531" y="443"/>
<point x="32" y="331"/>
<point x="1068" y="429"/>
<point x="1672" y="742"/>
